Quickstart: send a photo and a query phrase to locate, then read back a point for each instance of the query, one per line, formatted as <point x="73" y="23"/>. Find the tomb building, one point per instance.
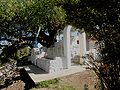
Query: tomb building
<point x="71" y="46"/>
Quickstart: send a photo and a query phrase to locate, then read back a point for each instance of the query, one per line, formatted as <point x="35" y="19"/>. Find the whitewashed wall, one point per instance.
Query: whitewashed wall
<point x="75" y="49"/>
<point x="55" y="51"/>
<point x="50" y="66"/>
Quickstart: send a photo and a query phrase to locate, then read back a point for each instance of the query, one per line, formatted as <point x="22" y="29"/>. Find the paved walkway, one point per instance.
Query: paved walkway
<point x="39" y="75"/>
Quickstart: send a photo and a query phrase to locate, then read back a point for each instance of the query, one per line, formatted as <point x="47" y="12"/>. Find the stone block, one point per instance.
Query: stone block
<point x="50" y="66"/>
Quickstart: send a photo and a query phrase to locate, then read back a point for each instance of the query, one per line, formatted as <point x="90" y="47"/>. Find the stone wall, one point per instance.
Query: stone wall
<point x="75" y="49"/>
<point x="55" y="51"/>
<point x="51" y="60"/>
<point x="35" y="54"/>
<point x="50" y="66"/>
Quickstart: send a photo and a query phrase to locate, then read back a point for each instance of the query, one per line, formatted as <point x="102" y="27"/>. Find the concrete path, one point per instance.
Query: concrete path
<point x="39" y="75"/>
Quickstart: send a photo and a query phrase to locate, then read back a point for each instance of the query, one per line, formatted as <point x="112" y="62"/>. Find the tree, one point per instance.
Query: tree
<point x="28" y="15"/>
<point x="21" y="17"/>
<point x="100" y="19"/>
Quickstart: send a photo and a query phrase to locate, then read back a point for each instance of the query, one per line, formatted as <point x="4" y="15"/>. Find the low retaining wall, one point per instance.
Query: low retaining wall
<point x="50" y="66"/>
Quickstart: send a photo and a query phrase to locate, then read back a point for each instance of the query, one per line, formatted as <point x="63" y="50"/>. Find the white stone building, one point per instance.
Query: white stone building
<point x="69" y="48"/>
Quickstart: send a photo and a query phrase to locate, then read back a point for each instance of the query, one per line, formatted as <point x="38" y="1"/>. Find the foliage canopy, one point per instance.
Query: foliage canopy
<point x="29" y="14"/>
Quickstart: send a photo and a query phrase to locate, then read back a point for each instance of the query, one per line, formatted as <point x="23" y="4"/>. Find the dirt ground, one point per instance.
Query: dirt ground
<point x="85" y="80"/>
<point x="82" y="81"/>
